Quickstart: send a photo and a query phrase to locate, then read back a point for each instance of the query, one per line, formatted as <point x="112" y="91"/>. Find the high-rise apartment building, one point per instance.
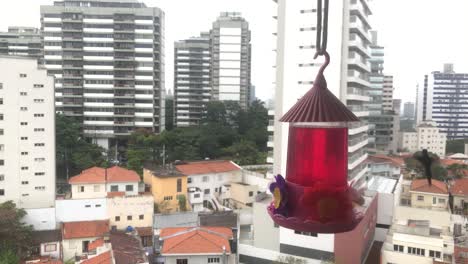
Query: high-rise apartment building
<point x="427" y="136"/>
<point x="192" y="79"/>
<point x="231" y="56"/>
<point x="21" y="41"/>
<point x="347" y="75"/>
<point x="27" y="134"/>
<point x="442" y="98"/>
<point x="387" y="101"/>
<point x="108" y="61"/>
<point x="408" y="110"/>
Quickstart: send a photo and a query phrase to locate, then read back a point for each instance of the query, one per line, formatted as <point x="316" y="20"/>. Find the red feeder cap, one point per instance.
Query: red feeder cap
<point x="319" y="105"/>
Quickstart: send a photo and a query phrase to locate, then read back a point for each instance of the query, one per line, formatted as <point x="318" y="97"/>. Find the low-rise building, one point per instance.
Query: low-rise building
<point x="168" y="186"/>
<point x="127" y="248"/>
<point x="427" y="136"/>
<point x="459" y="192"/>
<point x="434" y="196"/>
<point x="385" y="166"/>
<point x="130" y="210"/>
<point x="197" y="245"/>
<point x="240" y="195"/>
<point x="46" y="243"/>
<point x="78" y="235"/>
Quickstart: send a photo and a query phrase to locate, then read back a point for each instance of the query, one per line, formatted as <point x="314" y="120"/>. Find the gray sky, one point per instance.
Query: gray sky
<point x="419" y="35"/>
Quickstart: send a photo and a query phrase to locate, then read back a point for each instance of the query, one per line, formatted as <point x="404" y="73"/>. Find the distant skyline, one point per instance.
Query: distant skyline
<point x="419" y="36"/>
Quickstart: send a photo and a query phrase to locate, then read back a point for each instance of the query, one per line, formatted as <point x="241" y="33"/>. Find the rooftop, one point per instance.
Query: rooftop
<point x="196" y="240"/>
<point x="127" y="248"/>
<point x="207" y="167"/>
<point x="222" y="219"/>
<point x="96" y="243"/>
<point x="102" y="175"/>
<point x="448" y="162"/>
<point x="421" y="185"/>
<point x="84" y="229"/>
<point x="382" y="184"/>
<point x="104" y="258"/>
<point x="395" y="161"/>
<point x="460" y="187"/>
<point x="46" y="236"/>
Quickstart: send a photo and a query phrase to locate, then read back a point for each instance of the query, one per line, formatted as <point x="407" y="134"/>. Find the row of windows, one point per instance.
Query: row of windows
<point x="113" y="188"/>
<point x="129" y="218"/>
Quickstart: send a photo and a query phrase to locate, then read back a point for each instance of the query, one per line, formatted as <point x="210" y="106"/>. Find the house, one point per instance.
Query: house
<point x="197" y="245"/>
<point x="168" y="186"/>
<point x="76" y="236"/>
<point x="459" y="192"/>
<point x="47" y="243"/>
<point x="130" y="210"/>
<point x="240" y="195"/>
<point x="423" y="195"/>
<point x="96" y="182"/>
<point x="386" y="166"/>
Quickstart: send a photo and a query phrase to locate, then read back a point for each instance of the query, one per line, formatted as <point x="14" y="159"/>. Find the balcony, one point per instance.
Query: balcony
<point x="356" y="94"/>
<point x="360" y="47"/>
<point x="359" y="63"/>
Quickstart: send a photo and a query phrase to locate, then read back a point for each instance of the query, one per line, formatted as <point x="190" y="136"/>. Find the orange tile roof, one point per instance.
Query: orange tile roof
<point x="421" y="185"/>
<point x="448" y="162"/>
<point x="205" y="167"/>
<point x="96" y="243"/>
<point x="396" y="161"/>
<point x="83" y="229"/>
<point x="98" y="175"/>
<point x="189" y="240"/>
<point x="104" y="258"/>
<point x="460" y="187"/>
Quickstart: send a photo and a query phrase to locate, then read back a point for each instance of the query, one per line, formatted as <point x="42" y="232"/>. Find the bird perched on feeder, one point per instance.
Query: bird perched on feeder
<point x="426" y="161"/>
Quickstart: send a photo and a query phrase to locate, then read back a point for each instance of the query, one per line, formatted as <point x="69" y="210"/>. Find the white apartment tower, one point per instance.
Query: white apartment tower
<point x="27" y="134"/>
<point x="192" y="79"/>
<point x="347" y="74"/>
<point x="231" y="53"/>
<point x="108" y="60"/>
<point x="21" y="41"/>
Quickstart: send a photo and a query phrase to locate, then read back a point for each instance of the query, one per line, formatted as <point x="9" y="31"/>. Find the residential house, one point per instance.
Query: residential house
<point x="99" y="252"/>
<point x="210" y="176"/>
<point x="434" y="196"/>
<point x="78" y="235"/>
<point x="197" y="245"/>
<point x="386" y="166"/>
<point x="127" y="248"/>
<point x="459" y="192"/>
<point x="47" y="243"/>
<point x="130" y="210"/>
<point x="240" y="195"/>
<point x="168" y="185"/>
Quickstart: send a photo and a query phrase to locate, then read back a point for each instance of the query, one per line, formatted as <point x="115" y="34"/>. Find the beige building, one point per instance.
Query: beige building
<point x="134" y="211"/>
<point x="434" y="197"/>
<point x="77" y="237"/>
<point x="427" y="136"/>
<point x="241" y="195"/>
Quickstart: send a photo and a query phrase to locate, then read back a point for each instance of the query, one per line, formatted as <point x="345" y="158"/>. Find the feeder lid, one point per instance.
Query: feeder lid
<point x="319" y="105"/>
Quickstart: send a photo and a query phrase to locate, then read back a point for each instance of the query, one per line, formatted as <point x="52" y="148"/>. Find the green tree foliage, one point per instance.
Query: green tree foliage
<point x="182" y="202"/>
<point x="457" y="169"/>
<point x="73" y="152"/>
<point x="456" y="146"/>
<point x="169" y="113"/>
<point x="143" y="145"/>
<point x="15" y="236"/>
<point x="438" y="171"/>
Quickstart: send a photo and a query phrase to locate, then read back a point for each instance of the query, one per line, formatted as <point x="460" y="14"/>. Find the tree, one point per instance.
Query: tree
<point x="8" y="256"/>
<point x="182" y="202"/>
<point x="438" y="171"/>
<point x="169" y="113"/>
<point x="457" y="169"/>
<point x="15" y="235"/>
<point x="143" y="146"/>
<point x="244" y="153"/>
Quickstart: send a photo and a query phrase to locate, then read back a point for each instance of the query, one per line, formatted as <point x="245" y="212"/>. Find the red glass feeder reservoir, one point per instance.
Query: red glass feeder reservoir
<point x="315" y="196"/>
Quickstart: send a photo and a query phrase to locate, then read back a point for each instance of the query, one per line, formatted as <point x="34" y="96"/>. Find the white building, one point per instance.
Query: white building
<point x="427" y="136"/>
<point x="27" y="134"/>
<point x="347" y="75"/>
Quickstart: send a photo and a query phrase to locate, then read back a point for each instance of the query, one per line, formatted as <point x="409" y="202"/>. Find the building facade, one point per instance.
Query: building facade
<point x="442" y="99"/>
<point x="427" y="136"/>
<point x="21" y="41"/>
<point x="27" y="132"/>
<point x="108" y="60"/>
<point x="192" y="79"/>
<point x="231" y="59"/>
<point x="408" y="110"/>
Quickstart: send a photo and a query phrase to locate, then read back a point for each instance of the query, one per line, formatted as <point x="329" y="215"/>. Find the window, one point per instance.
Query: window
<point x="25" y="168"/>
<point x="250" y="194"/>
<point x="213" y="260"/>
<point x="39" y="130"/>
<point x="441" y="200"/>
<point x="141" y="217"/>
<point x="189" y="180"/>
<point x="420" y="198"/>
<point x="97" y="188"/>
<point x="129" y="217"/>
<point x="2" y="192"/>
<point x="39" y="188"/>
<point x="167" y="198"/>
<point x="129" y="188"/>
<point x="117" y="218"/>
<point x="88" y="206"/>
<point x="434" y="200"/>
<point x="23" y="93"/>
<point x="434" y="254"/>
<point x="24" y="138"/>
<point x="416" y="251"/>
<point x="1" y="85"/>
<point x="207" y="191"/>
<point x="197" y="195"/>
<point x="181" y="261"/>
<point x="305" y="233"/>
<point x="2" y="177"/>
<point x="38" y="100"/>
<point x="114" y="188"/>
<point x="50" y="247"/>
<point x="2" y="162"/>
<point x="80" y="188"/>
<point x="179" y="185"/>
<point x="23" y="108"/>
<point x="2" y="132"/>
<point x="97" y="205"/>
<point x="1" y="101"/>
<point x="38" y="115"/>
<point x="1" y="116"/>
<point x="40" y="174"/>
<point x="205" y="179"/>
<point x="398" y="248"/>
<point x="25" y="194"/>
<point x="24" y="182"/>
<point x="24" y="123"/>
<point x="23" y="75"/>
<point x="38" y="86"/>
<point x="39" y="159"/>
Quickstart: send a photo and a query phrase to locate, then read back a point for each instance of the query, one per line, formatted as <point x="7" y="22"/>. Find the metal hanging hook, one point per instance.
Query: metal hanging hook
<point x="322" y="33"/>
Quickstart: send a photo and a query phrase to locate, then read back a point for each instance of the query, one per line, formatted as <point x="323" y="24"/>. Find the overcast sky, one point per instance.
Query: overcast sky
<point x="418" y="35"/>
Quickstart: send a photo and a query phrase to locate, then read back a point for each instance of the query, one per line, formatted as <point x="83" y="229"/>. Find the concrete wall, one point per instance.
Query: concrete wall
<point x="194" y="259"/>
<point x="134" y="206"/>
<point x="438" y="219"/>
<point x="81" y="210"/>
<point x="72" y="247"/>
<point x="249" y="254"/>
<point x="389" y="256"/>
<point x="427" y="201"/>
<point x="266" y="235"/>
<point x="41" y="219"/>
<point x="91" y="191"/>
<point x="242" y="193"/>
